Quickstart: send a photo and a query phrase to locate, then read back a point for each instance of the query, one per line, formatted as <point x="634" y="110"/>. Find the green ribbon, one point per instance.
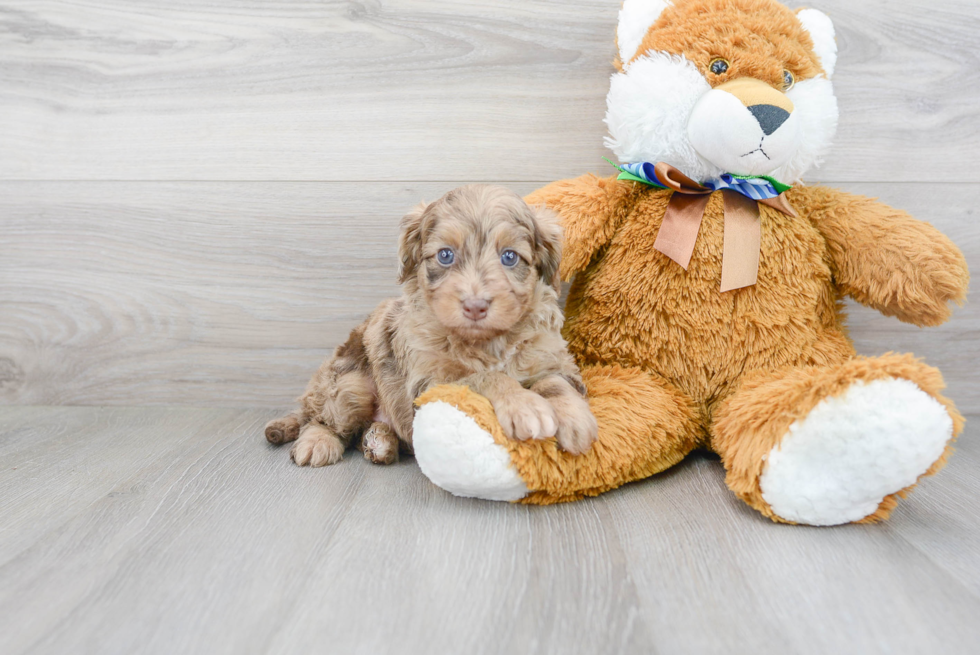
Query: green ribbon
<point x="630" y="177"/>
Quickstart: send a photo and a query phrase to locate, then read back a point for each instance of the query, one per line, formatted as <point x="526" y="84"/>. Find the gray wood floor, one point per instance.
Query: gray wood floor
<point x="199" y="199"/>
<point x="178" y="530"/>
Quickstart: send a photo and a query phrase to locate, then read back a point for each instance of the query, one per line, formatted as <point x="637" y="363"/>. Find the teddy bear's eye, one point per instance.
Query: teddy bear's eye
<point x="719" y="66"/>
<point x="789" y="80"/>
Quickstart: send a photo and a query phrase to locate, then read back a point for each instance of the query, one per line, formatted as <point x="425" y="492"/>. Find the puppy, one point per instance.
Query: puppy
<point x="479" y="307"/>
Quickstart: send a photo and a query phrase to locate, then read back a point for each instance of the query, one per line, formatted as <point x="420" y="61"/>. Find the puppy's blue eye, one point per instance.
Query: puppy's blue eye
<point x="509" y="258"/>
<point x="446" y="257"/>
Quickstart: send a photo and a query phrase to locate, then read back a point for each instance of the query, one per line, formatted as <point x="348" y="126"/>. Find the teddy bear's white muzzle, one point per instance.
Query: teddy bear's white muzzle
<point x="744" y="138"/>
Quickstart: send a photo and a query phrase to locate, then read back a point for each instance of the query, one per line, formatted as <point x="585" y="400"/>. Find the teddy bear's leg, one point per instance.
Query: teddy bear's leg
<point x="645" y="426"/>
<point x="835" y="444"/>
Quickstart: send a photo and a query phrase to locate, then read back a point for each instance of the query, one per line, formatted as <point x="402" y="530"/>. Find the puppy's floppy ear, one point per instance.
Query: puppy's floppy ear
<point x="547" y="245"/>
<point x="410" y="242"/>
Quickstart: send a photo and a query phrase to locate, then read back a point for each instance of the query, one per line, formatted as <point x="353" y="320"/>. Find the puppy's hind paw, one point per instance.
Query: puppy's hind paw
<point x="317" y="446"/>
<point x="380" y="444"/>
<point x="282" y="430"/>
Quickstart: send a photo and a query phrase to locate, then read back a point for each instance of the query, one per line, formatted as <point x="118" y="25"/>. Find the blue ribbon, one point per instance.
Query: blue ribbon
<point x="757" y="188"/>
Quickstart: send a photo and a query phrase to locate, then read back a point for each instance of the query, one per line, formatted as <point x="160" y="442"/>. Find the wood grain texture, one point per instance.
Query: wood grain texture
<point x="230" y="294"/>
<point x="419" y="89"/>
<point x="181" y="531"/>
<point x="168" y="293"/>
<point x="156" y="248"/>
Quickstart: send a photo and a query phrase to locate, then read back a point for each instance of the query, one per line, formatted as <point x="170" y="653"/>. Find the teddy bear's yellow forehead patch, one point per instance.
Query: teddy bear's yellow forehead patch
<point x="750" y="92"/>
<point x="758" y="38"/>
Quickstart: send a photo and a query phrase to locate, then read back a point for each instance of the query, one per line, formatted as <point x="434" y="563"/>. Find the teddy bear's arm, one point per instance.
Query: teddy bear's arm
<point x="885" y="259"/>
<point x="591" y="209"/>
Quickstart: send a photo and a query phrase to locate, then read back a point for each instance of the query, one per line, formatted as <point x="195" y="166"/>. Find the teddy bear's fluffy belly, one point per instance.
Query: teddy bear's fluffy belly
<point x="638" y="308"/>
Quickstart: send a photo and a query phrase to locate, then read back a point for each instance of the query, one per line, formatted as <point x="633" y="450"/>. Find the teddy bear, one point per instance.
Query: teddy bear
<point x="706" y="305"/>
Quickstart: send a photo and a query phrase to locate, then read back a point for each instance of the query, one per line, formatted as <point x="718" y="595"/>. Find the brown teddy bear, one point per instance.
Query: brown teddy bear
<point x="706" y="303"/>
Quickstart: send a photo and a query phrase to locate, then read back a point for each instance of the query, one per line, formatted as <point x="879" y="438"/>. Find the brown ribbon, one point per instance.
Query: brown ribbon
<point x="743" y="227"/>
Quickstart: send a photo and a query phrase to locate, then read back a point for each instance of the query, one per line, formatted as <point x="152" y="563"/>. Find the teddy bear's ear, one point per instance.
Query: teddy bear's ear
<point x="821" y="30"/>
<point x="635" y="19"/>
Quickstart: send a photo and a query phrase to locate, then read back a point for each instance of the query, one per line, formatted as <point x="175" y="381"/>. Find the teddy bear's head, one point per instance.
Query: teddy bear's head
<point x="723" y="86"/>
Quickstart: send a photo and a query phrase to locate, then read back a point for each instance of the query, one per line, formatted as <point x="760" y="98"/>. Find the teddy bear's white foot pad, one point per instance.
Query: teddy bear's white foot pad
<point x="459" y="456"/>
<point x="836" y="465"/>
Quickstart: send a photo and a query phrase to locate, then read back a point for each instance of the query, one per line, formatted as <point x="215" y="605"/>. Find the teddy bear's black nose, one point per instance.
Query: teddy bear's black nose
<point x="770" y="117"/>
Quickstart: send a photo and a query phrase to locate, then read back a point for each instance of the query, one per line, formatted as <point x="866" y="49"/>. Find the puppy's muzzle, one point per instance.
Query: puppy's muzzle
<point x="475" y="309"/>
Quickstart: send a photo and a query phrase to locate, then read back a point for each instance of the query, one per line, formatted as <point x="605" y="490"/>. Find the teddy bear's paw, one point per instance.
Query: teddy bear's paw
<point x="850" y="452"/>
<point x="459" y="456"/>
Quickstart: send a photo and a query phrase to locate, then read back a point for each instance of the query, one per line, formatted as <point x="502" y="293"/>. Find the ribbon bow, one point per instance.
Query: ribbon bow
<point x="682" y="221"/>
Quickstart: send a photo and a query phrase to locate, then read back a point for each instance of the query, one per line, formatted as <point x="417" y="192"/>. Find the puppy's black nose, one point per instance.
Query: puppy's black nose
<point x="475" y="309"/>
<point x="770" y="117"/>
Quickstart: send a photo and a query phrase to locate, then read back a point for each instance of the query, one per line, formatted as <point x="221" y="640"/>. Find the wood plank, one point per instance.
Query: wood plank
<point x="92" y="558"/>
<point x="418" y="90"/>
<point x="213" y="542"/>
<point x="83" y="457"/>
<point x="230" y="294"/>
<point x="707" y="565"/>
<point x="945" y="512"/>
<point x="441" y="574"/>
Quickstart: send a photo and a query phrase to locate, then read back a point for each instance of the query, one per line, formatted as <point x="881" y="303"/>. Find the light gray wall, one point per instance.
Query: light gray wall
<point x="198" y="200"/>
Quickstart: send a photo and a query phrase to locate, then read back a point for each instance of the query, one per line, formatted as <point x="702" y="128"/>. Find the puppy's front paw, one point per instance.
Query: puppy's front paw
<point x="577" y="427"/>
<point x="317" y="446"/>
<point x="525" y="415"/>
